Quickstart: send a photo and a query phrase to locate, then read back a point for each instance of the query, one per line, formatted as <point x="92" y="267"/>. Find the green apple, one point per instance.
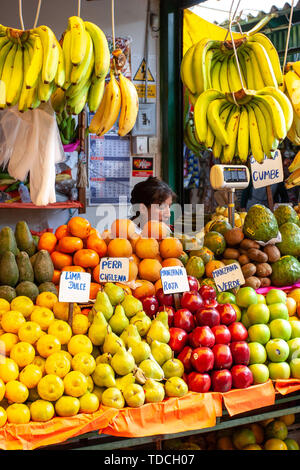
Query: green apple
<point x="258" y="353"/>
<point x="294" y="347"/>
<point x="280" y="328"/>
<point x="238" y="312"/>
<point x="277" y="350"/>
<point x="279" y="370"/>
<point x="295" y="368"/>
<point x="176" y="387"/>
<point x="245" y="320"/>
<point x="246" y="296"/>
<point x="291" y="444"/>
<point x="134" y="395"/>
<point x="275" y="296"/>
<point x="113" y="398"/>
<point x="226" y="298"/>
<point x="260" y="373"/>
<point x="295" y="324"/>
<point x="259" y="333"/>
<point x="258" y="313"/>
<point x="261" y="299"/>
<point x="278" y="310"/>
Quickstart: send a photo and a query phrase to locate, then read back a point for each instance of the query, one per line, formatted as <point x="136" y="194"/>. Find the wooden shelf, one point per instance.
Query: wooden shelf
<point x="30" y="205"/>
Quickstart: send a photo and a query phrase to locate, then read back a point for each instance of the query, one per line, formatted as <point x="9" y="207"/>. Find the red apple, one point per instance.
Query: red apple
<point x="210" y="303"/>
<point x="201" y="336"/>
<point x="164" y="299"/>
<point x="207" y="292"/>
<point x="202" y="359"/>
<point x="191" y="300"/>
<point x="221" y="380"/>
<point x="207" y="317"/>
<point x="178" y="339"/>
<point x="150" y="305"/>
<point x="184" y="319"/>
<point x="198" y="382"/>
<point x="240" y="352"/>
<point x="171" y="313"/>
<point x="241" y="376"/>
<point x="227" y="313"/>
<point x="185" y="377"/>
<point x="185" y="357"/>
<point x="222" y="334"/>
<point x="193" y="282"/>
<point x="222" y="355"/>
<point x="238" y="331"/>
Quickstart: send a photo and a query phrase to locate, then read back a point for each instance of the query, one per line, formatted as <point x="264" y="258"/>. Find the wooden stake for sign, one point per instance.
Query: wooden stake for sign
<point x="177" y="301"/>
<point x="270" y="198"/>
<point x="70" y="315"/>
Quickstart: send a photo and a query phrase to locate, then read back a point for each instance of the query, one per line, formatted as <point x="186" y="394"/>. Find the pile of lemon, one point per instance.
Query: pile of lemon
<point x="45" y="363"/>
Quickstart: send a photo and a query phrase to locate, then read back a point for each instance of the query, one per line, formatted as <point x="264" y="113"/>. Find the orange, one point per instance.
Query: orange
<point x="211" y="266"/>
<point x="170" y="247"/>
<point x="9" y="370"/>
<point x="147" y="248"/>
<point x="149" y="269"/>
<point x="61" y="330"/>
<point x="69" y="244"/>
<point x="119" y="248"/>
<point x="46" y="299"/>
<point x="7" y="341"/>
<point x="60" y="260"/>
<point x="243" y="437"/>
<point x="43" y="316"/>
<point x="62" y="231"/>
<point x="80" y="324"/>
<point x="96" y="273"/>
<point x="2" y="389"/>
<point x="67" y="406"/>
<point x="275" y="444"/>
<point x="47" y="344"/>
<point x="30" y="375"/>
<point x="84" y="362"/>
<point x="3" y="416"/>
<point x="258" y="431"/>
<point x="291" y="305"/>
<point x="133" y="271"/>
<point x="50" y="387"/>
<point x="106" y="236"/>
<point x="295" y="294"/>
<point x="58" y="364"/>
<point x="224" y="443"/>
<point x="276" y="429"/>
<point x="135" y="258"/>
<point x="56" y="276"/>
<point x="61" y="310"/>
<point x="122" y="228"/>
<point x="80" y="343"/>
<point x="171" y="262"/>
<point x="22" y="353"/>
<point x="94" y="289"/>
<point x="144" y="289"/>
<point x="78" y="269"/>
<point x="75" y="383"/>
<point x="94" y="242"/>
<point x="252" y="447"/>
<point x="12" y="320"/>
<point x="29" y="332"/>
<point x="41" y="411"/>
<point x="47" y="242"/>
<point x="287" y="419"/>
<point x="18" y="413"/>
<point x="16" y="391"/>
<point x="155" y="229"/>
<point x="89" y="403"/>
<point x="22" y="304"/>
<point x="86" y="258"/>
<point x="79" y="227"/>
<point x="134" y="239"/>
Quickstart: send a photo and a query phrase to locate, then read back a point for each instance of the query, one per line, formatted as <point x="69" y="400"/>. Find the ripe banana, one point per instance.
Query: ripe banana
<point x="272" y="141"/>
<point x="60" y="76"/>
<point x="77" y="103"/>
<point x="6" y="74"/>
<point x="200" y="111"/>
<point x="36" y="62"/>
<point x="265" y="64"/>
<point x="198" y="63"/>
<point x="292" y="83"/>
<point x="101" y="50"/>
<point x="80" y="70"/>
<point x="50" y="51"/>
<point x="129" y="105"/>
<point x="243" y="135"/>
<point x="45" y="90"/>
<point x="66" y="47"/>
<point x="75" y="89"/>
<point x="214" y="120"/>
<point x="295" y="165"/>
<point x="210" y="138"/>
<point x="257" y="77"/>
<point x="284" y="102"/>
<point x="215" y="75"/>
<point x="249" y="72"/>
<point x="95" y="93"/>
<point x="78" y="39"/>
<point x="293" y="179"/>
<point x="272" y="53"/>
<point x="22" y="106"/>
<point x="255" y="142"/>
<point x="276" y="112"/>
<point x="32" y="99"/>
<point x="186" y="70"/>
<point x="262" y="127"/>
<point x="232" y="127"/>
<point x="58" y="100"/>
<point x="296" y="67"/>
<point x="224" y="84"/>
<point x="3" y="54"/>
<point x="14" y="85"/>
<point x="208" y="64"/>
<point x="234" y="80"/>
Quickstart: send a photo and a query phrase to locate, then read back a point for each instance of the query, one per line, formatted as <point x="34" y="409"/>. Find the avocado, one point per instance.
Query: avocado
<point x="260" y="224"/>
<point x="9" y="272"/>
<point x="8" y="241"/>
<point x="286" y="213"/>
<point x="290" y="243"/>
<point x="28" y="289"/>
<point x="285" y="271"/>
<point x="43" y="267"/>
<point x="24" y="238"/>
<point x="25" y="268"/>
<point x="48" y="287"/>
<point x="8" y="293"/>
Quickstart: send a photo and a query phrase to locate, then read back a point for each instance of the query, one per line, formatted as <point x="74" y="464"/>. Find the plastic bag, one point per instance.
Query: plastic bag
<point x="30" y="143"/>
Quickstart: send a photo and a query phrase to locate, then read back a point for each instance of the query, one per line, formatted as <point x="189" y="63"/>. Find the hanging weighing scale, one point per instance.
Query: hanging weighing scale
<point x="230" y="178"/>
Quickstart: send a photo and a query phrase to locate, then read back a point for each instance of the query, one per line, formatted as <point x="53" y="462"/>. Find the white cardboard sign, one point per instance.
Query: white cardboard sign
<point x="74" y="287"/>
<point x="228" y="277"/>
<point x="174" y="280"/>
<point x="267" y="173"/>
<point x="114" y="270"/>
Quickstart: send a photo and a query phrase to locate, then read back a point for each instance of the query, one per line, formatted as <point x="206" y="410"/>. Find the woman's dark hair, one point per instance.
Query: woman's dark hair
<point x="151" y="191"/>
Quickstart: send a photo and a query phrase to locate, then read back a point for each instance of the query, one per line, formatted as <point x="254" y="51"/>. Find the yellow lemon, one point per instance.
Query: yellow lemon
<point x="291" y="306"/>
<point x="67" y="406"/>
<point x="252" y="447"/>
<point x="29" y="332"/>
<point x="287" y="419"/>
<point x="258" y="432"/>
<point x="7" y="341"/>
<point x="4" y="305"/>
<point x="75" y="383"/>
<point x="276" y="429"/>
<point x="22" y="304"/>
<point x="43" y="316"/>
<point x="58" y="364"/>
<point x="89" y="403"/>
<point x="62" y="330"/>
<point x="41" y="411"/>
<point x="16" y="391"/>
<point x="2" y="389"/>
<point x="66" y="353"/>
<point x="40" y="362"/>
<point x="80" y="324"/>
<point x="80" y="343"/>
<point x="12" y="320"/>
<point x="61" y="310"/>
<point x="18" y="413"/>
<point x="295" y="294"/>
<point x="275" y="444"/>
<point x="22" y="353"/>
<point x="90" y="384"/>
<point x="84" y="362"/>
<point x="47" y="344"/>
<point x="30" y="375"/>
<point x="3" y="416"/>
<point x="46" y="299"/>
<point x="50" y="387"/>
<point x="9" y="370"/>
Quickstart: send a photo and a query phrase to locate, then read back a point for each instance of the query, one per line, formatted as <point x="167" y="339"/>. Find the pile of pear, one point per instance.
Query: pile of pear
<point x="135" y="365"/>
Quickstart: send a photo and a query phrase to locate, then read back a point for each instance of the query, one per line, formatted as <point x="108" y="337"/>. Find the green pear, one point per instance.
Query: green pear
<point x="118" y="321"/>
<point x="113" y="398"/>
<point x="131" y="305"/>
<point x="154" y="391"/>
<point x="104" y="375"/>
<point x="103" y="305"/>
<point x="158" y="331"/>
<point x="176" y="387"/>
<point x="139" y="349"/>
<point x="99" y="391"/>
<point x="123" y="362"/>
<point x="173" y="368"/>
<point x="104" y="358"/>
<point x="134" y="395"/>
<point x="98" y="329"/>
<point x="161" y="352"/>
<point x="115" y="293"/>
<point x="151" y="369"/>
<point x="130" y="330"/>
<point x="142" y="322"/>
<point x="122" y="382"/>
<point x="163" y="317"/>
<point x="112" y="343"/>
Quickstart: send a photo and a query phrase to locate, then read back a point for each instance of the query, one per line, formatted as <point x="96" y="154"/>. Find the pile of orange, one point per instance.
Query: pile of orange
<point x="77" y="246"/>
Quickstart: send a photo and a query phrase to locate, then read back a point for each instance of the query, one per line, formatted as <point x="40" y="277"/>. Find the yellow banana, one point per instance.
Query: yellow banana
<point x="14" y="86"/>
<point x="96" y="92"/>
<point x="257" y="77"/>
<point x="255" y="142"/>
<point x="129" y="105"/>
<point x="292" y="83"/>
<point x="101" y="49"/>
<point x="234" y="80"/>
<point x="210" y="138"/>
<point x="272" y="141"/>
<point x="249" y="72"/>
<point x="217" y="148"/>
<point x="6" y="74"/>
<point x="284" y="102"/>
<point x="3" y="40"/>
<point x="276" y="113"/>
<point x="201" y="109"/>
<point x="214" y="120"/>
<point x="262" y="128"/>
<point x="78" y="39"/>
<point x="295" y="165"/>
<point x="272" y="53"/>
<point x="208" y="63"/>
<point x="293" y="179"/>
<point x="232" y="127"/>
<point x="45" y="90"/>
<point x="50" y="53"/>
<point x="78" y="71"/>
<point x="58" y="100"/>
<point x="22" y="105"/>
<point x="243" y="135"/>
<point x="3" y="54"/>
<point x="109" y="109"/>
<point x="31" y="100"/>
<point x="60" y="75"/>
<point x="296" y="67"/>
<point x="75" y="89"/>
<point x="36" y="62"/>
<point x="186" y="70"/>
<point x="198" y="61"/>
<point x="224" y="84"/>
<point x="77" y="103"/>
<point x="265" y="64"/>
<point x="215" y="75"/>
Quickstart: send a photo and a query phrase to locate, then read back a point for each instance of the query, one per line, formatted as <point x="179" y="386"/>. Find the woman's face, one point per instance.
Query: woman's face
<point x="160" y="212"/>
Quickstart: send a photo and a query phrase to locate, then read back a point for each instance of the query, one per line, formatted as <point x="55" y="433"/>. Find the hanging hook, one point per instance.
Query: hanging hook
<point x="79" y="8"/>
<point x="21" y="15"/>
<point x="288" y="36"/>
<point x="37" y="14"/>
